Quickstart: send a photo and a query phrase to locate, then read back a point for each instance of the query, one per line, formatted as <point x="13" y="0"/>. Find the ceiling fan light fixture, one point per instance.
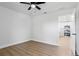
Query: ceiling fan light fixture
<point x="33" y="6"/>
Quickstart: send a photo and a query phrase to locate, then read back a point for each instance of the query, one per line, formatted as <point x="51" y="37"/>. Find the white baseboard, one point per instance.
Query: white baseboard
<point x="4" y="46"/>
<point x="47" y="42"/>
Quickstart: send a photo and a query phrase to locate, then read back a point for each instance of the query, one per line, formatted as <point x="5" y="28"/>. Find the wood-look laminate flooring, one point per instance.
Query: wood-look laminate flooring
<point x="31" y="48"/>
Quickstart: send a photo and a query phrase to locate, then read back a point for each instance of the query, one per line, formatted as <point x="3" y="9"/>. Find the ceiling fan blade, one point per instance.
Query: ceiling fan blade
<point x="33" y="2"/>
<point x="29" y="8"/>
<point x="38" y="7"/>
<point x="24" y="2"/>
<point x="39" y="2"/>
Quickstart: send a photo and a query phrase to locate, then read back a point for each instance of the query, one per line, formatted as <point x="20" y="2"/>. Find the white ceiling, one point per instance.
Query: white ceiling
<point x="47" y="7"/>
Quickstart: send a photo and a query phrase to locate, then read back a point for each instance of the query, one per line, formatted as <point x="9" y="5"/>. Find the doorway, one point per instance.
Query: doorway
<point x="67" y="33"/>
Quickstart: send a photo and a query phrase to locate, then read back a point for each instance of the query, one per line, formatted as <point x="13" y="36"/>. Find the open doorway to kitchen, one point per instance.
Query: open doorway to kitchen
<point x="67" y="33"/>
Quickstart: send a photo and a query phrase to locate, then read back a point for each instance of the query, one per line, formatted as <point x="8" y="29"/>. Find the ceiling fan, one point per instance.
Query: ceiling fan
<point x="33" y="4"/>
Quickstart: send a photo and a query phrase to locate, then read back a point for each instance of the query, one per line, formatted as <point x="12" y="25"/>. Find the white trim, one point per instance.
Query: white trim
<point x="47" y="42"/>
<point x="4" y="46"/>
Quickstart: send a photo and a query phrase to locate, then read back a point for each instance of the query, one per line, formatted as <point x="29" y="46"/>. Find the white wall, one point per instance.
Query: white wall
<point x="46" y="26"/>
<point x="17" y="27"/>
<point x="77" y="29"/>
<point x="14" y="27"/>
